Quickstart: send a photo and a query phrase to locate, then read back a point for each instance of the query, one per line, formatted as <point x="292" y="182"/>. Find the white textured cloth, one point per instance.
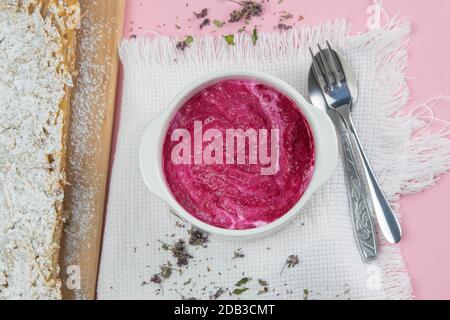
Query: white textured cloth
<point x="330" y="266"/>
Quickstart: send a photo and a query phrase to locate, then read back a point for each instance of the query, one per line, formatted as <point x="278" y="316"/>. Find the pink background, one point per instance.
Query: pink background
<point x="426" y="216"/>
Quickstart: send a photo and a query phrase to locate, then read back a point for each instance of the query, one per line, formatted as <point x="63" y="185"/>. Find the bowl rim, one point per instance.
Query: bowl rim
<point x="161" y="123"/>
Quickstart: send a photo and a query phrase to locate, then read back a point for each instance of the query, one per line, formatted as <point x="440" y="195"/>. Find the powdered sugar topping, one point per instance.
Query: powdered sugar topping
<point x="31" y="123"/>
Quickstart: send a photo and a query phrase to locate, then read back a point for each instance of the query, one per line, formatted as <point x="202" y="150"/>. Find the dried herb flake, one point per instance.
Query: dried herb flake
<point x="238" y="254"/>
<point x="254" y="36"/>
<point x="239" y="291"/>
<point x="205" y="23"/>
<point x="263" y="283"/>
<point x="201" y="14"/>
<point x="197" y="238"/>
<point x="188" y="40"/>
<point x="263" y="291"/>
<point x="286" y="16"/>
<point x="156" y="279"/>
<point x="164" y="246"/>
<point x="242" y="282"/>
<point x="185" y="43"/>
<point x="217" y="295"/>
<point x="305" y="294"/>
<point x="291" y="262"/>
<point x="179" y="252"/>
<point x="218" y="23"/>
<point x="248" y="10"/>
<point x="283" y="27"/>
<point x="165" y="270"/>
<point x="229" y="39"/>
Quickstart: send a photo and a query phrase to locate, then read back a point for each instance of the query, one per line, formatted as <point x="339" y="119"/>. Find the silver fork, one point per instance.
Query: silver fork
<point x="339" y="89"/>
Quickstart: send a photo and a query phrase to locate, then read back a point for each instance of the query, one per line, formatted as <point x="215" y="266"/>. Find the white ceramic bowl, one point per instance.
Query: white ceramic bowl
<point x="150" y="153"/>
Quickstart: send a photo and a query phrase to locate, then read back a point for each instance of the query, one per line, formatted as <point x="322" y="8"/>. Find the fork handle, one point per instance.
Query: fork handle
<point x="362" y="219"/>
<point x="388" y="222"/>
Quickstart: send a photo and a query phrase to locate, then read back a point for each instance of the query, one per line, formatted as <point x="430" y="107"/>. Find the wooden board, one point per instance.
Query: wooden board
<point x="90" y="132"/>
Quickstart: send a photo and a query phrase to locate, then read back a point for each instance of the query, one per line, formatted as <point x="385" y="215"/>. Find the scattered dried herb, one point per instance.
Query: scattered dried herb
<point x="249" y="9"/>
<point x="197" y="238"/>
<point x="187" y="282"/>
<point x="183" y="297"/>
<point x="177" y="26"/>
<point x="205" y="23"/>
<point x="283" y="26"/>
<point x="291" y="262"/>
<point x="164" y="246"/>
<point x="285" y="16"/>
<point x="229" y="39"/>
<point x="305" y="294"/>
<point x="238" y="254"/>
<point x="186" y="43"/>
<point x="235" y="16"/>
<point x="263" y="290"/>
<point x="218" y="23"/>
<point x="242" y="29"/>
<point x="264" y="286"/>
<point x="217" y="295"/>
<point x="202" y="13"/>
<point x="242" y="282"/>
<point x="254" y="36"/>
<point x="239" y="291"/>
<point x="179" y="224"/>
<point x="188" y="40"/>
<point x="166" y="270"/>
<point x="156" y="279"/>
<point x="262" y="283"/>
<point x="179" y="252"/>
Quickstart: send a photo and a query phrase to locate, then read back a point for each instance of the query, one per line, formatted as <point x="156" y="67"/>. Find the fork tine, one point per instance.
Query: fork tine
<point x="334" y="65"/>
<point x="326" y="70"/>
<point x="316" y="69"/>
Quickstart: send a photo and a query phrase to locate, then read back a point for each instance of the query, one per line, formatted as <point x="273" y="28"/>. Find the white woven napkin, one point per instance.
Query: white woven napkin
<point x="322" y="236"/>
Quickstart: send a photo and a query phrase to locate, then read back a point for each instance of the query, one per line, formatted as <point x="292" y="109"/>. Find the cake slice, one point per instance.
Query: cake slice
<point x="37" y="63"/>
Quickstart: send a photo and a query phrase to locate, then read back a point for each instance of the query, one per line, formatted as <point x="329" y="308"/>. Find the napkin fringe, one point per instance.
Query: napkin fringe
<point x="415" y="155"/>
<point x="389" y="46"/>
<point x="206" y="50"/>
